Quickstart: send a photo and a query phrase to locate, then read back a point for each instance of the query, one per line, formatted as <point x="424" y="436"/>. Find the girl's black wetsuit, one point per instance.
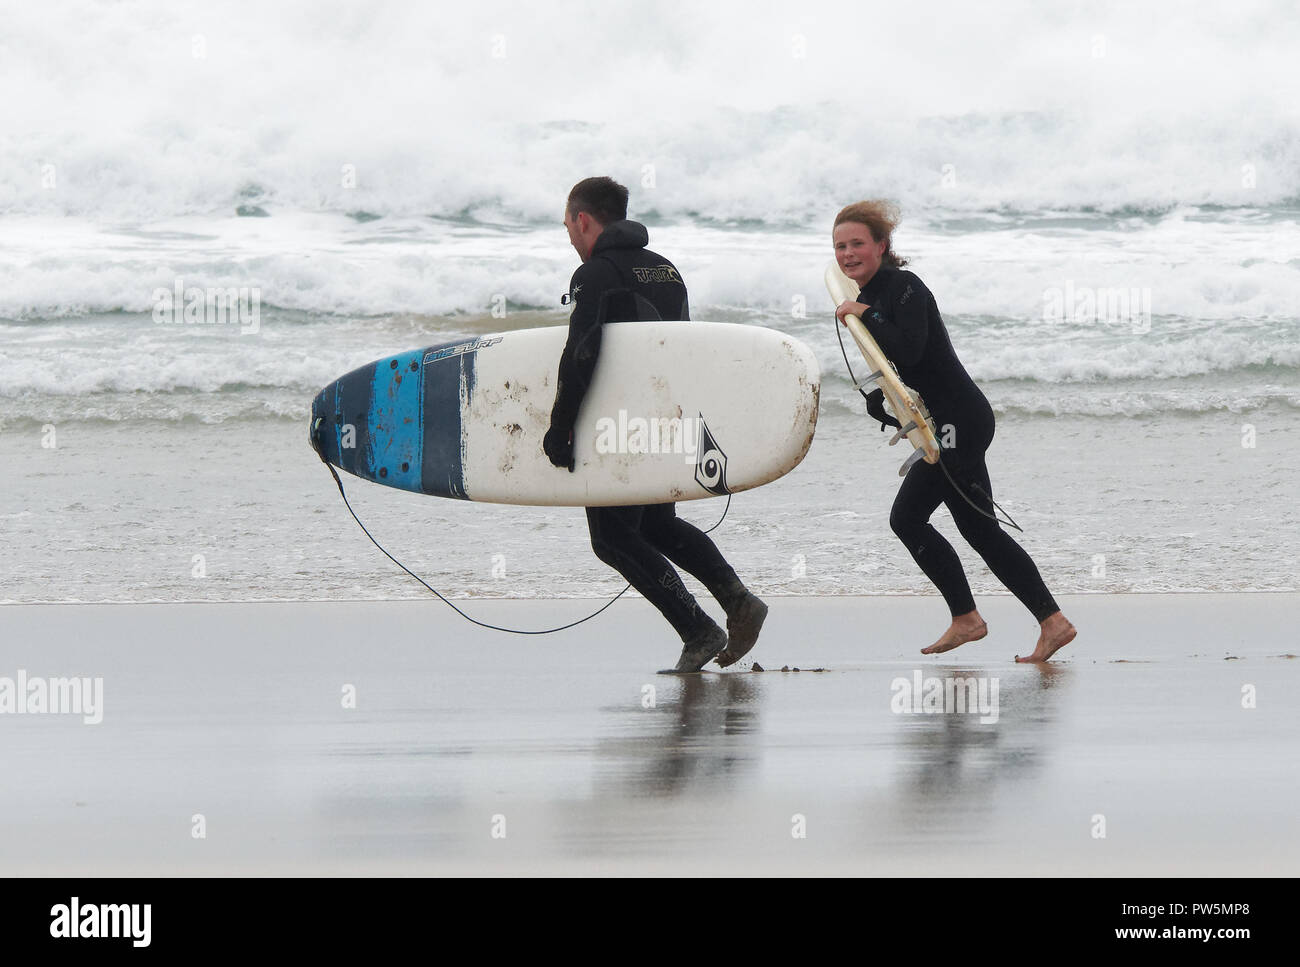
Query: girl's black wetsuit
<point x="905" y="321"/>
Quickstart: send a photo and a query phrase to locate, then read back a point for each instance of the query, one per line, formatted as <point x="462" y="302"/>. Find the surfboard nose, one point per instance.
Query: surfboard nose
<point x="321" y="433"/>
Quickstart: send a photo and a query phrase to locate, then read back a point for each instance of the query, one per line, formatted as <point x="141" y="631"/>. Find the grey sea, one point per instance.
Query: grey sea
<point x="1147" y="437"/>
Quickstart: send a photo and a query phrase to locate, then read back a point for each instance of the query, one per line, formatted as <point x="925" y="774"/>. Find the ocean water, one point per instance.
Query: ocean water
<point x="1111" y="229"/>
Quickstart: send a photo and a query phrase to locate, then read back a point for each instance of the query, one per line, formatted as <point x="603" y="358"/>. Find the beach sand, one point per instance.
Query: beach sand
<point x="589" y="762"/>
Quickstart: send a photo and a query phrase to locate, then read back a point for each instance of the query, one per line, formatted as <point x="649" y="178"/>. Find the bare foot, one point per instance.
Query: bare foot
<point x="1056" y="634"/>
<point x="964" y="628"/>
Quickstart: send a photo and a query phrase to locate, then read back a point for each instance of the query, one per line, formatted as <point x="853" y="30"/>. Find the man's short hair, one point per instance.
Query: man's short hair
<point x="604" y="199"/>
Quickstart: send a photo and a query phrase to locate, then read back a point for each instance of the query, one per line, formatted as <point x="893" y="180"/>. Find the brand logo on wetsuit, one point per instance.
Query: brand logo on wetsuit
<point x="465" y="347"/>
<point x="673" y="583"/>
<point x="659" y="273"/>
<point x="711" y="465"/>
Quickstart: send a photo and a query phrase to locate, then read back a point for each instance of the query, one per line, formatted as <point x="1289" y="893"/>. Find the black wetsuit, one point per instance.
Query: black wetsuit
<point x="623" y="281"/>
<point x="904" y="319"/>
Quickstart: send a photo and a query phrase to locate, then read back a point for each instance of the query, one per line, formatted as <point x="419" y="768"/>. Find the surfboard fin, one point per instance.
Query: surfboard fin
<point x="903" y="431"/>
<point x="917" y="456"/>
<point x="869" y="380"/>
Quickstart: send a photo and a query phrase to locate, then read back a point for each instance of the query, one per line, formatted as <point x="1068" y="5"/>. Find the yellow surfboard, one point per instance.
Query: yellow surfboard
<point x="907" y="408"/>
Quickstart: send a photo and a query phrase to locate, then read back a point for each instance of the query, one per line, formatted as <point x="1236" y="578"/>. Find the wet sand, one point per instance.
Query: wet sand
<point x="235" y="712"/>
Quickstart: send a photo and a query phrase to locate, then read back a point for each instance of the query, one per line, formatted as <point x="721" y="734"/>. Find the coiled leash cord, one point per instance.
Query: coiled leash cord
<point x="482" y="624"/>
<point x="942" y="465"/>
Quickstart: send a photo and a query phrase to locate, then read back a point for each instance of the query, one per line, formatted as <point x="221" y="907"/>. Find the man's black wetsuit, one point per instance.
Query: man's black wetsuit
<point x="623" y="281"/>
<point x="904" y="319"/>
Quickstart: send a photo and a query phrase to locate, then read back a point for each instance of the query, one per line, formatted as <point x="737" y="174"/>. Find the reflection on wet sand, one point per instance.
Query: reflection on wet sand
<point x="916" y="778"/>
<point x="450" y="743"/>
<point x="698" y="738"/>
<point x="950" y="768"/>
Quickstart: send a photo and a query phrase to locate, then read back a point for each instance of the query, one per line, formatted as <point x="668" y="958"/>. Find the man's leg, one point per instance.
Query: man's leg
<point x="616" y="539"/>
<point x="691" y="549"/>
<point x="694" y="552"/>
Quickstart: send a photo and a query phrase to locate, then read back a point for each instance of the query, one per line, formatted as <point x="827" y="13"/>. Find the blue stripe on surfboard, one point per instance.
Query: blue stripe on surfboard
<point x="396" y="422"/>
<point x="335" y="456"/>
<point x="447" y="381"/>
<point x="352" y="409"/>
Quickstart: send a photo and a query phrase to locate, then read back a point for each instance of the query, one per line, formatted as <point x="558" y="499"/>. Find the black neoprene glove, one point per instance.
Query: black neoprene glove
<point x="558" y="446"/>
<point x="876" y="409"/>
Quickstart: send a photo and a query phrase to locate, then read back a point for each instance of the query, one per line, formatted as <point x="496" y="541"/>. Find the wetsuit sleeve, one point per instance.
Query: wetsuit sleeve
<point x="900" y="322"/>
<point x="578" y="361"/>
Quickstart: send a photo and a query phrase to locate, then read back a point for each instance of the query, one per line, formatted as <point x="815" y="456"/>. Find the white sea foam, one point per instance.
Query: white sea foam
<point x="146" y="110"/>
<point x="1032" y="152"/>
<point x="1227" y="270"/>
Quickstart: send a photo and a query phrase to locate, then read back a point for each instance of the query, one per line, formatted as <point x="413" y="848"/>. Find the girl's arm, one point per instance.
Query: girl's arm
<point x="900" y="322"/>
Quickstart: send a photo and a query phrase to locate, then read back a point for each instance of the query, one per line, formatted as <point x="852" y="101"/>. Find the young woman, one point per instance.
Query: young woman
<point x="901" y="314"/>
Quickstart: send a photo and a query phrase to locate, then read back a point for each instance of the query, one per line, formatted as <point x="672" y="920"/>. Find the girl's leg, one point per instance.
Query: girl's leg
<point x="922" y="491"/>
<point x="1009" y="562"/>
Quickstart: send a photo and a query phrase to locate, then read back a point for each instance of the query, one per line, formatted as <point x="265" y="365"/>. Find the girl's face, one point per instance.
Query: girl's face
<point x="857" y="251"/>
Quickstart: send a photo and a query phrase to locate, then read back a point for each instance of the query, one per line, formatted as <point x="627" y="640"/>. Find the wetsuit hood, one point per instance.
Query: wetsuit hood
<point x="622" y="234"/>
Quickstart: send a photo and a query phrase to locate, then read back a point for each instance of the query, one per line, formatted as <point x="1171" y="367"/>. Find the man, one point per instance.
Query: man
<point x="620" y="280"/>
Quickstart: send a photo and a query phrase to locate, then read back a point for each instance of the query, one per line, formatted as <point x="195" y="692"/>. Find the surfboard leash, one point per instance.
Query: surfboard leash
<point x="997" y="506"/>
<point x="482" y="624"/>
<point x="847" y="365"/>
<point x="955" y="486"/>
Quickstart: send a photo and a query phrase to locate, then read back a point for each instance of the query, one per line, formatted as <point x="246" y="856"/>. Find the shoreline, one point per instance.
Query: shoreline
<point x="633" y="595"/>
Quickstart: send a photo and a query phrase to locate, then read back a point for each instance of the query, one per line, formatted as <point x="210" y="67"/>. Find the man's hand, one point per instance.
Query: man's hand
<point x="876" y="409"/>
<point x="558" y="446"/>
<point x="851" y="309"/>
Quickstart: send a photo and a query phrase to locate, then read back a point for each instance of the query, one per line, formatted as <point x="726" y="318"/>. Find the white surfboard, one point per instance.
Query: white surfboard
<point x="917" y="426"/>
<point x="676" y="411"/>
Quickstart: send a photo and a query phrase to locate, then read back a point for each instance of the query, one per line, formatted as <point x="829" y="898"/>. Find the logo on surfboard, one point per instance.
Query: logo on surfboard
<point x="465" y="347"/>
<point x="711" y="464"/>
